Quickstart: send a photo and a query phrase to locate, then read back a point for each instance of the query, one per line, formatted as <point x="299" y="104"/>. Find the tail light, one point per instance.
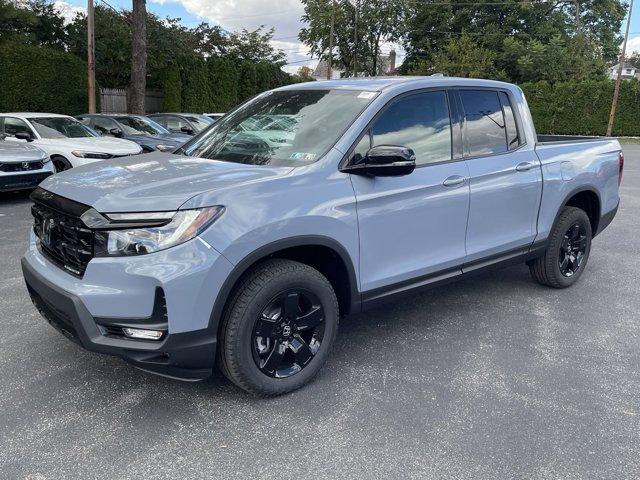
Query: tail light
<point x="620" y="167"/>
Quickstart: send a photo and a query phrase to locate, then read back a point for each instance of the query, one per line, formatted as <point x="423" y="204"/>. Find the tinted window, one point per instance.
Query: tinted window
<point x="513" y="140"/>
<point x="420" y="122"/>
<point x="60" y="127"/>
<point x="104" y="125"/>
<point x="15" y="125"/>
<point x="484" y="123"/>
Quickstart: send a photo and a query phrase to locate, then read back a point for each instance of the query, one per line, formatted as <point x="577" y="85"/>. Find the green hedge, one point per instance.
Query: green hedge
<point x="40" y="79"/>
<point x="218" y="84"/>
<point x="172" y="88"/>
<point x="582" y="108"/>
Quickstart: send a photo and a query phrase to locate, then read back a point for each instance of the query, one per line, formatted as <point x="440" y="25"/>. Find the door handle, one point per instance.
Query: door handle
<point x="525" y="166"/>
<point x="454" y="181"/>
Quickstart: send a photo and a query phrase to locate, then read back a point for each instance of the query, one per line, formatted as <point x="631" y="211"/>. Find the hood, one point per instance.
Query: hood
<point x="152" y="182"/>
<point x="17" y="152"/>
<point x="114" y="146"/>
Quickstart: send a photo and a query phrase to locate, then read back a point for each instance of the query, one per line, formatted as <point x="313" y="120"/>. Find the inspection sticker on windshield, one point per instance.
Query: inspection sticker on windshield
<point x="367" y="95"/>
<point x="303" y="156"/>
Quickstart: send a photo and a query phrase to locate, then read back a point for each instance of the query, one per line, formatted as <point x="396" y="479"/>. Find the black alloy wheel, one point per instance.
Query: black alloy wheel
<point x="288" y="333"/>
<point x="572" y="250"/>
<point x="278" y="328"/>
<point x="567" y="252"/>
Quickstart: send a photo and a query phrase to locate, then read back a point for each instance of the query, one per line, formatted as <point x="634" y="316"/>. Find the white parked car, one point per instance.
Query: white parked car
<point x="67" y="141"/>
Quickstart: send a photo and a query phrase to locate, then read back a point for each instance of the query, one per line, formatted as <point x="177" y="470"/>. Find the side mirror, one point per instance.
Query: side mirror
<point x="24" y="136"/>
<point x="116" y="132"/>
<point x="385" y="161"/>
<point x="187" y="130"/>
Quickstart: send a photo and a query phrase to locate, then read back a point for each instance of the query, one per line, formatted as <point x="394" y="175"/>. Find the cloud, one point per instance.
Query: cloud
<point x="633" y="45"/>
<point x="283" y="16"/>
<point x="68" y="11"/>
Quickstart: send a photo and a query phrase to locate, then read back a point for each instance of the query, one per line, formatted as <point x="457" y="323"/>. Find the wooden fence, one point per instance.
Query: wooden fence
<point x="114" y="100"/>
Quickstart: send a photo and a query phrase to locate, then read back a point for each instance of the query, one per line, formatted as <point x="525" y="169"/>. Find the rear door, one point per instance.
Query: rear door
<point x="505" y="175"/>
<point x="412" y="227"/>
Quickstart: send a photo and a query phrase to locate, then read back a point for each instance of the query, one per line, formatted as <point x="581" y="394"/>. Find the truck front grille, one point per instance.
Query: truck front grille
<point x="64" y="239"/>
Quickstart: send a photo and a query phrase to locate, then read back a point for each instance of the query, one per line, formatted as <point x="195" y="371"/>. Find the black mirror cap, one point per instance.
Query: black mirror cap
<point x="116" y="132"/>
<point x="24" y="136"/>
<point x="187" y="130"/>
<point x="385" y="161"/>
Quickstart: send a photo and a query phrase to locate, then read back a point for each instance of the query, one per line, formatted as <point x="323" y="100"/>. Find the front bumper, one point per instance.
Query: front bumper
<point x="22" y="181"/>
<point x="126" y="291"/>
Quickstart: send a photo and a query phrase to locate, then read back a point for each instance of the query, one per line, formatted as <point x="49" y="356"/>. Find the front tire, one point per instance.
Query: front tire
<point x="278" y="328"/>
<point x="568" y="251"/>
<point x="60" y="163"/>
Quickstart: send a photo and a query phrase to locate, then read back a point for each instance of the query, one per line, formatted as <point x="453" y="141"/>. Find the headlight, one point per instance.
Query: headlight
<point x="101" y="156"/>
<point x="166" y="148"/>
<point x="120" y="237"/>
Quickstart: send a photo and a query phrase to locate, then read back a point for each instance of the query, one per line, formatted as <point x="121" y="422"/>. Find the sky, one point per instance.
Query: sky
<point x="283" y="15"/>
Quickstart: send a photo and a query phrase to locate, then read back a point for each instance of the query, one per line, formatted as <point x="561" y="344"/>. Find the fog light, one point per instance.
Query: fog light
<point x="143" y="334"/>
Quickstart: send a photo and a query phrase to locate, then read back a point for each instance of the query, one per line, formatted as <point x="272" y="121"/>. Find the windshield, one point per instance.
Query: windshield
<point x="141" y="126"/>
<point x="199" y="121"/>
<point x="60" y="127"/>
<point x="290" y="128"/>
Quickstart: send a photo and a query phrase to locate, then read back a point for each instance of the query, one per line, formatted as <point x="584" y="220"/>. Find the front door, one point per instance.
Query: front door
<point x="412" y="227"/>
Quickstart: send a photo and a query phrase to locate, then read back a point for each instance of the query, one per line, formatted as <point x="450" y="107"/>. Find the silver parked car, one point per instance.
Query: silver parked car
<point x="22" y="166"/>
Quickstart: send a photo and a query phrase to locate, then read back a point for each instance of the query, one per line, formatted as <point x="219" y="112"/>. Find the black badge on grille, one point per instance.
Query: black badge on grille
<point x="47" y="228"/>
<point x="25" y="166"/>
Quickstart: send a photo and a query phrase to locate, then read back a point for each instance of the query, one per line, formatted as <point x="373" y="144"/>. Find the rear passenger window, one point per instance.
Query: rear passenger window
<point x="484" y="123"/>
<point x="513" y="140"/>
<point x="420" y="122"/>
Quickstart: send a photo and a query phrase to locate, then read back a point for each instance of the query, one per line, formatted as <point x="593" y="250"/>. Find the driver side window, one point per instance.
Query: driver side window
<point x="420" y="122"/>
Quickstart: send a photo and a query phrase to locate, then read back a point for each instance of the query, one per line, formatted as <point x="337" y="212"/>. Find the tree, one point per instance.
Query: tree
<point x="379" y="21"/>
<point x="462" y="57"/>
<point x="305" y="72"/>
<point x="35" y="22"/>
<point x="138" y="84"/>
<point x="556" y="29"/>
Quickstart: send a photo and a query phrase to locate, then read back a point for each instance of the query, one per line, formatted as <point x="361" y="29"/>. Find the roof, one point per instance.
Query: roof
<point x="379" y="84"/>
<point x="32" y="115"/>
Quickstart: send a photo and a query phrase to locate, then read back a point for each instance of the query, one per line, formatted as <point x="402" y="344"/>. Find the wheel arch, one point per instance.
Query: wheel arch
<point x="588" y="199"/>
<point x="308" y="249"/>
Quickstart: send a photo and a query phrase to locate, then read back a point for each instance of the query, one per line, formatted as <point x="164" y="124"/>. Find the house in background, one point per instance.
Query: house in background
<point x="629" y="72"/>
<point x="386" y="66"/>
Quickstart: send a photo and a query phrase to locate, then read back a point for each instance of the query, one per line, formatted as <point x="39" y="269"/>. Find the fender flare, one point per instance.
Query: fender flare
<point x="298" y="241"/>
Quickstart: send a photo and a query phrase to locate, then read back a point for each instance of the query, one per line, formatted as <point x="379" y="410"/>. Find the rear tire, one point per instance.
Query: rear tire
<point x="278" y="328"/>
<point x="568" y="250"/>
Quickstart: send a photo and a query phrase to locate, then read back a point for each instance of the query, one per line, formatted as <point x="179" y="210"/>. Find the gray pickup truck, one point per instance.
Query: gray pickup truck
<point x="244" y="247"/>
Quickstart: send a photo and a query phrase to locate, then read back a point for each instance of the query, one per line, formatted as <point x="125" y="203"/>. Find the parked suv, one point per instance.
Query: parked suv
<point x="22" y="167"/>
<point x="245" y="247"/>
<point x="67" y="142"/>
<point x="142" y="130"/>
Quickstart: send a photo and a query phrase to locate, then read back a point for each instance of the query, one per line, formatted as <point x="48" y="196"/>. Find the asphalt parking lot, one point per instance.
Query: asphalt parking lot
<point x="492" y="377"/>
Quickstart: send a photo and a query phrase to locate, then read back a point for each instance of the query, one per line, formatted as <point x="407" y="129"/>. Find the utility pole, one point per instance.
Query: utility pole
<point x="333" y="27"/>
<point x="616" y="90"/>
<point x="91" y="57"/>
<point x="355" y="4"/>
